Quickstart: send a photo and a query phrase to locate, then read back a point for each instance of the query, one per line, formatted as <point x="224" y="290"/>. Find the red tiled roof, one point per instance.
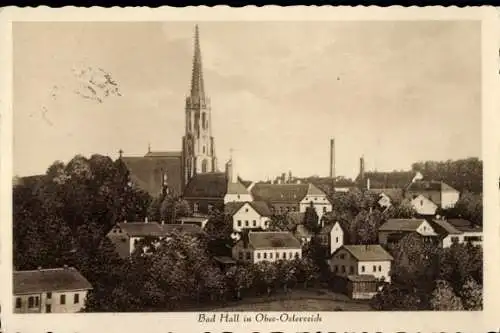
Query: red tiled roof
<point x="49" y="280"/>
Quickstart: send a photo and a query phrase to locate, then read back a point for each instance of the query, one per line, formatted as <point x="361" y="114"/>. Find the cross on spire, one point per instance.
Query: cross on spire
<point x="197" y="86"/>
<point x="120" y="153"/>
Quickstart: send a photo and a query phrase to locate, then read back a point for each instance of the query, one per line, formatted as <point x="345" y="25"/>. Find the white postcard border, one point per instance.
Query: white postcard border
<point x="484" y="321"/>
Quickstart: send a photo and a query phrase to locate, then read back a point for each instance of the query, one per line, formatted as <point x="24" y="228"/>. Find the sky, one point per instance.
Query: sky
<point x="395" y="92"/>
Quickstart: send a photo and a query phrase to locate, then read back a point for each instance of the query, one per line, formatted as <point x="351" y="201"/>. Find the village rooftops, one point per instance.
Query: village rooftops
<point x="273" y="240"/>
<point x="212" y="185"/>
<point x="372" y="252"/>
<point x="445" y="228"/>
<point x="284" y="192"/>
<point x="260" y="207"/>
<point x="465" y="225"/>
<point x="154" y="229"/>
<point x="49" y="280"/>
<point x="401" y="225"/>
<point x="430" y="185"/>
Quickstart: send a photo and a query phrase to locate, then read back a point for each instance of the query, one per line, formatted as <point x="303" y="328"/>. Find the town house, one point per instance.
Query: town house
<point x="254" y="247"/>
<point x="394" y="229"/>
<point x="440" y="193"/>
<point x="59" y="290"/>
<point x="248" y="215"/>
<point x="361" y="260"/>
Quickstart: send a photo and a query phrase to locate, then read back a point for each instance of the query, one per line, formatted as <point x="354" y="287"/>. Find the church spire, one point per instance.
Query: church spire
<point x="197" y="87"/>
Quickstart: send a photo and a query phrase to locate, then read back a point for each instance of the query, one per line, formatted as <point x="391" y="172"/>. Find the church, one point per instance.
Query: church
<point x="158" y="171"/>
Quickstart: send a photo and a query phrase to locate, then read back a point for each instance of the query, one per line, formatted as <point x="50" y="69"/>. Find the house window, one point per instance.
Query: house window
<point x="374" y="268"/>
<point x="37" y="301"/>
<point x="380" y="268"/>
<point x="351" y="269"/>
<point x="324" y="209"/>
<point x="343" y="269"/>
<point x="335" y="268"/>
<point x="342" y="256"/>
<point x="336" y="239"/>
<point x="258" y="255"/>
<point x="271" y="255"/>
<point x="246" y="210"/>
<point x="49" y="295"/>
<point x="289" y="255"/>
<point x="63" y="299"/>
<point x="296" y="254"/>
<point x="422" y="203"/>
<point x="238" y="196"/>
<point x="265" y="255"/>
<point x="246" y="223"/>
<point x="31" y="302"/>
<point x="362" y="268"/>
<point x="284" y="255"/>
<point x="18" y="302"/>
<point x="454" y="239"/>
<point x="254" y="223"/>
<point x="239" y="223"/>
<point x="76" y="298"/>
<point x="249" y="256"/>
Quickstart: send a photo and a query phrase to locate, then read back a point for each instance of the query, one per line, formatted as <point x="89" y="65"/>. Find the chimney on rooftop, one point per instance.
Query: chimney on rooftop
<point x="332" y="158"/>
<point x="368" y="183"/>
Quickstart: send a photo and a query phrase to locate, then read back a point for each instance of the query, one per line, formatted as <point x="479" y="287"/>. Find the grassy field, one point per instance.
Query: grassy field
<point x="297" y="300"/>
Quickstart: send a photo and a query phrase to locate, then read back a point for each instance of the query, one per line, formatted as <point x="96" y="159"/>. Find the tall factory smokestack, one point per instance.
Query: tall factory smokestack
<point x="362" y="167"/>
<point x="332" y="158"/>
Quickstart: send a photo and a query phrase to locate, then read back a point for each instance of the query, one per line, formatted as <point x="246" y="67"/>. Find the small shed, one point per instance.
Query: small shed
<point x="361" y="286"/>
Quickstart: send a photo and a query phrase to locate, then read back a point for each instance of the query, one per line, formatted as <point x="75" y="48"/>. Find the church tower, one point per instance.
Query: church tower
<point x="198" y="149"/>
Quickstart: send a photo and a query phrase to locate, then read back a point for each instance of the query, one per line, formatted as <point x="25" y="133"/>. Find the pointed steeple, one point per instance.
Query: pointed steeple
<point x="197" y="87"/>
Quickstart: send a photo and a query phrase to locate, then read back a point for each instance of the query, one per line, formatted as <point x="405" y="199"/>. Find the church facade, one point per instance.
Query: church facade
<point x="160" y="171"/>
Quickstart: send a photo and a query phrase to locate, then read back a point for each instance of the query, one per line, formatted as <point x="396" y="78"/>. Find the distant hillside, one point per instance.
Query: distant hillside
<point x="463" y="175"/>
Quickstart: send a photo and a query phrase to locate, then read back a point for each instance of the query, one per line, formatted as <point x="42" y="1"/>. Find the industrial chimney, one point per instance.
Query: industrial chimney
<point x="362" y="167"/>
<point x="332" y="158"/>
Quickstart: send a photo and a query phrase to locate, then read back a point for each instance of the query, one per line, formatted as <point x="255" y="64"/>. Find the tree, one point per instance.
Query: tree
<point x="460" y="262"/>
<point x="279" y="223"/>
<point x="396" y="298"/>
<point x="416" y="265"/>
<point x="472" y="295"/>
<point x="219" y="229"/>
<point x="400" y="210"/>
<point x="311" y="219"/>
<point x="305" y="271"/>
<point x="266" y="274"/>
<point x="470" y="206"/>
<point x="286" y="274"/>
<point x="444" y="299"/>
<point x="364" y="227"/>
<point x="239" y="278"/>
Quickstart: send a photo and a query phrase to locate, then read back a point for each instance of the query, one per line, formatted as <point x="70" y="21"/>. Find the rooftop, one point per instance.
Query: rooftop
<point x="372" y="252"/>
<point x="465" y="225"/>
<point x="401" y="225"/>
<point x="49" y="280"/>
<point x="273" y="239"/>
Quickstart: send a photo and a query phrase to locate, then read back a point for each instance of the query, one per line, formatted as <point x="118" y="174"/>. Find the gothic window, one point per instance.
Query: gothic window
<point x="204" y="165"/>
<point x="204" y="149"/>
<point x="203" y="120"/>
